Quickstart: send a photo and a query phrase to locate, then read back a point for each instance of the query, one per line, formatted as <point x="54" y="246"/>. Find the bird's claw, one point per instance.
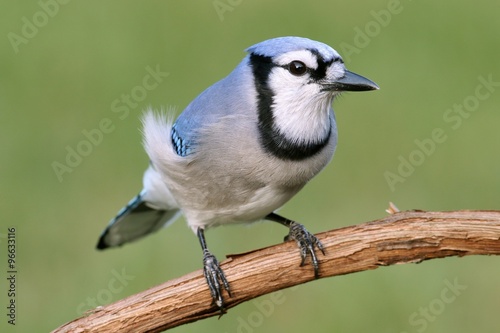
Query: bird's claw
<point x="306" y="243"/>
<point x="216" y="279"/>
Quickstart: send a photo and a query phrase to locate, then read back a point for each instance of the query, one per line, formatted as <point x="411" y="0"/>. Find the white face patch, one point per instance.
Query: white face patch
<point x="301" y="111"/>
<point x="335" y="71"/>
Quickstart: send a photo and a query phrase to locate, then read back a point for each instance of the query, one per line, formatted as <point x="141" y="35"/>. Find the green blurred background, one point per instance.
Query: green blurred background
<point x="60" y="80"/>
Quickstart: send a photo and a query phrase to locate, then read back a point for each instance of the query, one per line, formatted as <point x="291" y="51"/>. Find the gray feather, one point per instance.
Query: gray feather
<point x="134" y="221"/>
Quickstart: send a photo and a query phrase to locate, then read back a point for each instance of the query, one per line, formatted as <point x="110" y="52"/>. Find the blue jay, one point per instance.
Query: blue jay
<point x="242" y="149"/>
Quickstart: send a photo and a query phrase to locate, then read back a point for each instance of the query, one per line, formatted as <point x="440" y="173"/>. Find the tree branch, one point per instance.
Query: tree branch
<point x="403" y="237"/>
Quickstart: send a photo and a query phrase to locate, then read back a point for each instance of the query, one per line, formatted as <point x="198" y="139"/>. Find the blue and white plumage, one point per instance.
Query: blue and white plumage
<point x="242" y="148"/>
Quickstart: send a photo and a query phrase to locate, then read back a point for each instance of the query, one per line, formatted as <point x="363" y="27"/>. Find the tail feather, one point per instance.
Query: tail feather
<point x="134" y="221"/>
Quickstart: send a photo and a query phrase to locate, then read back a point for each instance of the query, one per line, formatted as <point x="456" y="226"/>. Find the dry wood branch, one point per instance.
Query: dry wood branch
<point x="404" y="237"/>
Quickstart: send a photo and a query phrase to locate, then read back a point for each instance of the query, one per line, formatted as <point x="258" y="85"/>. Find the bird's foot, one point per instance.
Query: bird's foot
<point x="216" y="279"/>
<point x="306" y="243"/>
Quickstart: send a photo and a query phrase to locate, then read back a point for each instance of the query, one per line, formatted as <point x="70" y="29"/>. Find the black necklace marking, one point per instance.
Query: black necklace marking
<point x="273" y="141"/>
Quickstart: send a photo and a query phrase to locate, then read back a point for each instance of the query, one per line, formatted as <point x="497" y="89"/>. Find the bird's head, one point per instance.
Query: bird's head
<point x="304" y="66"/>
<point x="296" y="80"/>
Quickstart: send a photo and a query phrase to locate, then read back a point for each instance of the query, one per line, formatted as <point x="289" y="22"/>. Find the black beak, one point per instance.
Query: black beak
<point x="351" y="82"/>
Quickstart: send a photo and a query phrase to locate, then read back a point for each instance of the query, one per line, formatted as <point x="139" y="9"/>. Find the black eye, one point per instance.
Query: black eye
<point x="297" y="68"/>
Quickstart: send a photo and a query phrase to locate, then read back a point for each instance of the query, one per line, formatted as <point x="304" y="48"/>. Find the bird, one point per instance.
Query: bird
<point x="241" y="149"/>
